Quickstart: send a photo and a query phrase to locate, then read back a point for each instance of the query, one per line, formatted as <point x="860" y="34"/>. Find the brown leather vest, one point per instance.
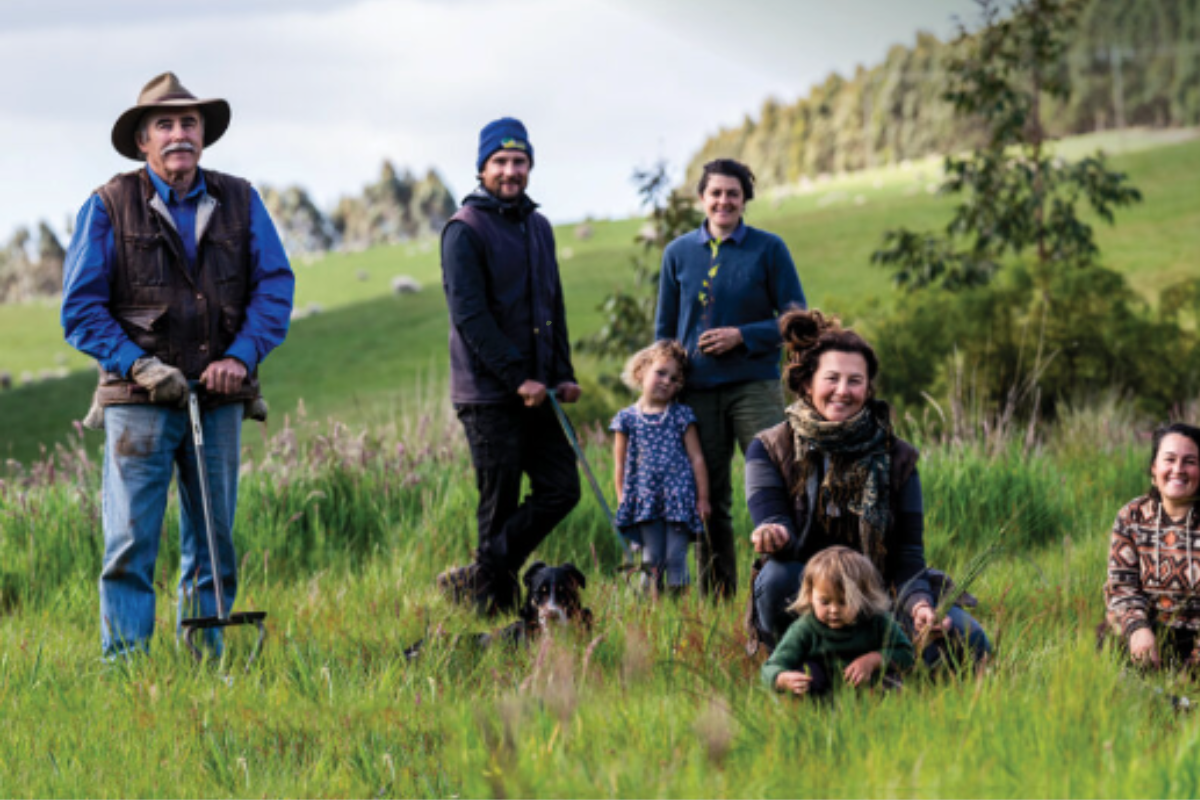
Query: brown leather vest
<point x="781" y="449"/>
<point x="186" y="319"/>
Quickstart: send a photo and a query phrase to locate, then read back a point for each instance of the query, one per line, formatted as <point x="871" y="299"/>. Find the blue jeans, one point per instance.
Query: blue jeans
<point x="778" y="585"/>
<point x="666" y="544"/>
<point x="143" y="446"/>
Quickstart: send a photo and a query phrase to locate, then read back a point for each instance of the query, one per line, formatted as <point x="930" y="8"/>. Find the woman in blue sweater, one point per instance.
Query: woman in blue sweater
<point x="721" y="290"/>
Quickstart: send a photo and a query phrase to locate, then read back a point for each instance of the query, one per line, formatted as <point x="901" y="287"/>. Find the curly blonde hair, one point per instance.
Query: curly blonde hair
<point x="850" y="576"/>
<point x="635" y="367"/>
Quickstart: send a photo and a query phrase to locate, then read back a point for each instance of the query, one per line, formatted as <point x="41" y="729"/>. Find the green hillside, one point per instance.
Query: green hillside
<point x="367" y="354"/>
<point x="1127" y="63"/>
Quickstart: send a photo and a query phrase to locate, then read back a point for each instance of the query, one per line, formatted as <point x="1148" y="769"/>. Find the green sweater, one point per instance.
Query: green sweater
<point x="809" y="640"/>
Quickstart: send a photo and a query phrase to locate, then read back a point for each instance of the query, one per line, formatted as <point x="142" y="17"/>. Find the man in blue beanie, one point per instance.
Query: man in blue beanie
<point x="508" y="347"/>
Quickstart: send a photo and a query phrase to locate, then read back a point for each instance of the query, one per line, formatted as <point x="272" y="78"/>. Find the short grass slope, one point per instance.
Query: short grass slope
<point x="361" y="353"/>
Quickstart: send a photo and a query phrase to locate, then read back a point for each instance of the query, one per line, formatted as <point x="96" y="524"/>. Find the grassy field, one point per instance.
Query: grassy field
<point x="343" y="525"/>
<point x="340" y="539"/>
<point x="368" y="354"/>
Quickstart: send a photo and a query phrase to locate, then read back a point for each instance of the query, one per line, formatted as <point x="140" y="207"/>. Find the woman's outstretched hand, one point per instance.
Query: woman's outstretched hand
<point x="924" y="619"/>
<point x="769" y="538"/>
<point x="1142" y="647"/>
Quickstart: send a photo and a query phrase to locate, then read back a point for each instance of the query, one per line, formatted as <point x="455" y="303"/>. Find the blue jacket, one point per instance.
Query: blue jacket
<point x="744" y="282"/>
<point x="87" y="277"/>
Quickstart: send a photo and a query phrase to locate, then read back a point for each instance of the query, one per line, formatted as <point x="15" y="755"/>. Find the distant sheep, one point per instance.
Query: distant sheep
<point x="648" y="233"/>
<point x="405" y="284"/>
<point x="363" y="275"/>
<point x="311" y="310"/>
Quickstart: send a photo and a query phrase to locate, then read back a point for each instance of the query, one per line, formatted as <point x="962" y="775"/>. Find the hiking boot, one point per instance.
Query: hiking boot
<point x="478" y="586"/>
<point x="460" y="584"/>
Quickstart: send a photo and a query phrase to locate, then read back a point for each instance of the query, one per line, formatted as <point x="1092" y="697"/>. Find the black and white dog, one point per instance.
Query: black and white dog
<point x="552" y="598"/>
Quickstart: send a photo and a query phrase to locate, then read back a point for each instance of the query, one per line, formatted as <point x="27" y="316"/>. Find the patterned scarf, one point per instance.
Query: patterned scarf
<point x="858" y="478"/>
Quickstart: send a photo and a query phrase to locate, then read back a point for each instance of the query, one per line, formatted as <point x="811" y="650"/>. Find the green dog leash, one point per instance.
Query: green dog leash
<point x="569" y="430"/>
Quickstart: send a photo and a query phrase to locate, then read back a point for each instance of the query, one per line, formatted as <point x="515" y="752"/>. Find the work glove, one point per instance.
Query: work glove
<point x="166" y="384"/>
<point x="94" y="421"/>
<point x="256" y="409"/>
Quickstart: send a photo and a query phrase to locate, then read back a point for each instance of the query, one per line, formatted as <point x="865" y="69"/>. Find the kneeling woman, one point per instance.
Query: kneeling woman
<point x="1154" y="559"/>
<point x="833" y="473"/>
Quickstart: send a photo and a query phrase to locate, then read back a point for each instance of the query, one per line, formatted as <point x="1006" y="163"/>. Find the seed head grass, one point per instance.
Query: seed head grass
<point x="340" y="535"/>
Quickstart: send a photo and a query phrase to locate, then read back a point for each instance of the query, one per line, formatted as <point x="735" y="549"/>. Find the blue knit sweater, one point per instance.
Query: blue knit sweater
<point x="744" y="283"/>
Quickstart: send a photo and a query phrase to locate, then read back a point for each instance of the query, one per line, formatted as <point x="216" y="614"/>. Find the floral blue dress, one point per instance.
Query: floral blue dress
<point x="659" y="483"/>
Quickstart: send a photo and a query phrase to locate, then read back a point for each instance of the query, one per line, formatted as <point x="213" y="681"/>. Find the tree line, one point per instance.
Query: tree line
<point x="1127" y="63"/>
<point x="395" y="208"/>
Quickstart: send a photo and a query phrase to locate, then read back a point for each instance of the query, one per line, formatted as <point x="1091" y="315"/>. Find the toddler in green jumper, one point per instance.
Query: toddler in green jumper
<point x="844" y="624"/>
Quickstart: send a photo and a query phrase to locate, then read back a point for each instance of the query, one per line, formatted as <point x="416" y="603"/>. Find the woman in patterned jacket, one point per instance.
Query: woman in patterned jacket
<point x="1154" y="559"/>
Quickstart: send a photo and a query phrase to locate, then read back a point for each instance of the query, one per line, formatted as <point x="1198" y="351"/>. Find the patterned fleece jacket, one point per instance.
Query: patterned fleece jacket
<point x="1153" y="569"/>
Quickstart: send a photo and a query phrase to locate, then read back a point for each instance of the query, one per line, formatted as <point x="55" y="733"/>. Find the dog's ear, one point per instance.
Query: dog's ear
<point x="574" y="572"/>
<point x="532" y="572"/>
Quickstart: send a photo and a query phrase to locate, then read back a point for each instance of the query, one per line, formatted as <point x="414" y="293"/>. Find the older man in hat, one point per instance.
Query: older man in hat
<point x="174" y="274"/>
<point x="508" y="347"/>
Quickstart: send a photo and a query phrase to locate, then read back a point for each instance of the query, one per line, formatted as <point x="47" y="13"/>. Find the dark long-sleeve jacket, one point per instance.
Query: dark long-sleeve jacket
<point x="507" y="317"/>
<point x="769" y="465"/>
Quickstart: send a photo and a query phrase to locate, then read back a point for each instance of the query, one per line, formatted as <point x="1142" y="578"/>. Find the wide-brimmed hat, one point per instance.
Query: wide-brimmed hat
<point x="165" y="91"/>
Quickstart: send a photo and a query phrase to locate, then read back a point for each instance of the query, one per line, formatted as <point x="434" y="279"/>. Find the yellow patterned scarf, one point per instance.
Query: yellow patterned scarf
<point x="853" y="502"/>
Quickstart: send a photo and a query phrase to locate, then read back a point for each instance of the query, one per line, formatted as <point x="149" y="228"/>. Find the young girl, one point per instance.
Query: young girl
<point x="844" y="620"/>
<point x="662" y="485"/>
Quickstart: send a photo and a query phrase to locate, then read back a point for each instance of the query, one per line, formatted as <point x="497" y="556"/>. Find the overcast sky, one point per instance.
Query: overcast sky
<point x="323" y="90"/>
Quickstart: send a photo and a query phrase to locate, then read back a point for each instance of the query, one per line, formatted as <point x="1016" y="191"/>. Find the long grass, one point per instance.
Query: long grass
<point x="340" y="535"/>
<point x="342" y="527"/>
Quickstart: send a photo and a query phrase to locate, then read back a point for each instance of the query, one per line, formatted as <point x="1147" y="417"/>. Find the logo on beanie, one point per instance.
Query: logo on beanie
<point x="512" y="144"/>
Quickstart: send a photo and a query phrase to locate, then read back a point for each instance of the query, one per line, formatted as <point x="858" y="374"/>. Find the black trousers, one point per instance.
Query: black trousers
<point x="508" y="441"/>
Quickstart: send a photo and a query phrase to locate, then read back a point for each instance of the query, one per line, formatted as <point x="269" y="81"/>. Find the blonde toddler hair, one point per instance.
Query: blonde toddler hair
<point x="635" y="367"/>
<point x="850" y="576"/>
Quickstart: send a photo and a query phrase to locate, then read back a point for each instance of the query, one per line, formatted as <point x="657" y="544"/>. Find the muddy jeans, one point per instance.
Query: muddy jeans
<point x="144" y="445"/>
<point x="725" y="416"/>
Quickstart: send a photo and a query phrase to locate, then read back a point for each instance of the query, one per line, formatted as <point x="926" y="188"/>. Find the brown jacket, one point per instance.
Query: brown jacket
<point x="781" y="448"/>
<point x="905" y="568"/>
<point x="185" y="319"/>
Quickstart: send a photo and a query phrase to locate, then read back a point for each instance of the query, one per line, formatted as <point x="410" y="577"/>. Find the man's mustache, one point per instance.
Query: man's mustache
<point x="184" y="147"/>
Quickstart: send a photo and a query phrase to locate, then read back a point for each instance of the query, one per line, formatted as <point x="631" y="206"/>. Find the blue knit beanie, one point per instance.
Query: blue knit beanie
<point x="506" y="133"/>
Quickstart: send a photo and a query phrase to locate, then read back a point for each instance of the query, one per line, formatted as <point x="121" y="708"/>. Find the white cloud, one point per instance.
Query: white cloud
<point x="323" y="92"/>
